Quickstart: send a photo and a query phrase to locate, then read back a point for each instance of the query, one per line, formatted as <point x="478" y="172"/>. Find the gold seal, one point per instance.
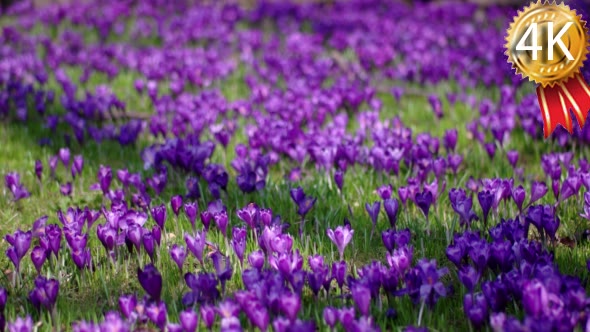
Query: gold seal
<point x="547" y="42"/>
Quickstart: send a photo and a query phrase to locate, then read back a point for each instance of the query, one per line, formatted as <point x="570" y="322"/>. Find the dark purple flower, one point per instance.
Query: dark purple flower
<point x="432" y="287"/>
<point x="105" y="176"/>
<point x="38" y="257"/>
<point x="297" y="195"/>
<point x="176" y="204"/>
<point x="450" y="139"/>
<point x="424" y="201"/>
<point x="45" y="293"/>
<point x="339" y="179"/>
<point x="341" y="237"/>
<point x="151" y="281"/>
<point x="178" y="254"/>
<point x="257" y="314"/>
<point x="208" y="315"/>
<point x="476" y="309"/>
<point x="385" y="191"/>
<point x="39" y="169"/>
<point x="469" y="277"/>
<point x="373" y="211"/>
<point x="486" y="200"/>
<point x="81" y="257"/>
<point x="306" y="205"/>
<point x="223" y="268"/>
<point x="159" y="215"/>
<point x="221" y="222"/>
<point x="391" y="206"/>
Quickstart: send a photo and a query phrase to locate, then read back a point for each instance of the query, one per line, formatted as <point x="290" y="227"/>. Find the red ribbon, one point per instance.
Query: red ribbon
<point x="557" y="101"/>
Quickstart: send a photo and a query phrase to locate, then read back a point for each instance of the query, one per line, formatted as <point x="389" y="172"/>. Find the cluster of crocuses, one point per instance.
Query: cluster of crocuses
<point x="298" y="109"/>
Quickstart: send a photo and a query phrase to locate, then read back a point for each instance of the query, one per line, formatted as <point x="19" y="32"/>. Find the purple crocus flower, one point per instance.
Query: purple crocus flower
<point x="77" y="165"/>
<point x="196" y="244"/>
<point x="361" y="296"/>
<point x="385" y="192"/>
<point x="157" y="313"/>
<point x="538" y="190"/>
<point x="20" y="242"/>
<point x="221" y="221"/>
<point x="176" y="204"/>
<point x="178" y="255"/>
<point x="159" y="215"/>
<point x="238" y="242"/>
<point x="45" y="293"/>
<point x="476" y="309"/>
<point x="127" y="305"/>
<point x="486" y="200"/>
<point x="424" y="201"/>
<point x="66" y="189"/>
<point x="290" y="303"/>
<point x="431" y="288"/>
<point x="391" y="206"/>
<point x="223" y="268"/>
<point x="450" y="139"/>
<point x="249" y="215"/>
<point x="330" y="316"/>
<point x="151" y="281"/>
<point x="191" y="209"/>
<point x="39" y="169"/>
<point x="208" y="315"/>
<point x="256" y="259"/>
<point x="339" y="272"/>
<point x="341" y="237"/>
<point x="512" y="156"/>
<point x="189" y="320"/>
<point x="105" y="177"/>
<point x="339" y="179"/>
<point x="21" y="325"/>
<point x="64" y="156"/>
<point x="518" y="195"/>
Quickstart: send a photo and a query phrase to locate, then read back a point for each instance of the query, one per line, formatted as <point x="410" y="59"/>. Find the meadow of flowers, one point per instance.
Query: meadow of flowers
<point x="361" y="165"/>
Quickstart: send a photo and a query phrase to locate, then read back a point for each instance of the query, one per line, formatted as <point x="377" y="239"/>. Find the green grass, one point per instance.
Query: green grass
<point x="86" y="295"/>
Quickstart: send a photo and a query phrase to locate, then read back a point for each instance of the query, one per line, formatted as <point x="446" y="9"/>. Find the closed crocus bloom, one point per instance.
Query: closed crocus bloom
<point x="339" y="272"/>
<point x="538" y="190"/>
<point x="196" y="244"/>
<point x="469" y="277"/>
<point x="151" y="281"/>
<point x="238" y="242"/>
<point x="476" y="309"/>
<point x="191" y="209"/>
<point x="148" y="242"/>
<point x="127" y="304"/>
<point x="39" y="169"/>
<point x="450" y="139"/>
<point x="256" y="259"/>
<point x="77" y="165"/>
<point x="38" y="257"/>
<point x="159" y="214"/>
<point x="361" y="296"/>
<point x="373" y="211"/>
<point x="486" y="199"/>
<point x="176" y="204"/>
<point x="391" y="206"/>
<point x="290" y="303"/>
<point x="157" y="313"/>
<point x="208" y="315"/>
<point x="105" y="176"/>
<point x="330" y="316"/>
<point x="64" y="156"/>
<point x="178" y="255"/>
<point x="189" y="320"/>
<point x="512" y="157"/>
<point x="221" y="222"/>
<point x="257" y="314"/>
<point x="339" y="179"/>
<point x="518" y="195"/>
